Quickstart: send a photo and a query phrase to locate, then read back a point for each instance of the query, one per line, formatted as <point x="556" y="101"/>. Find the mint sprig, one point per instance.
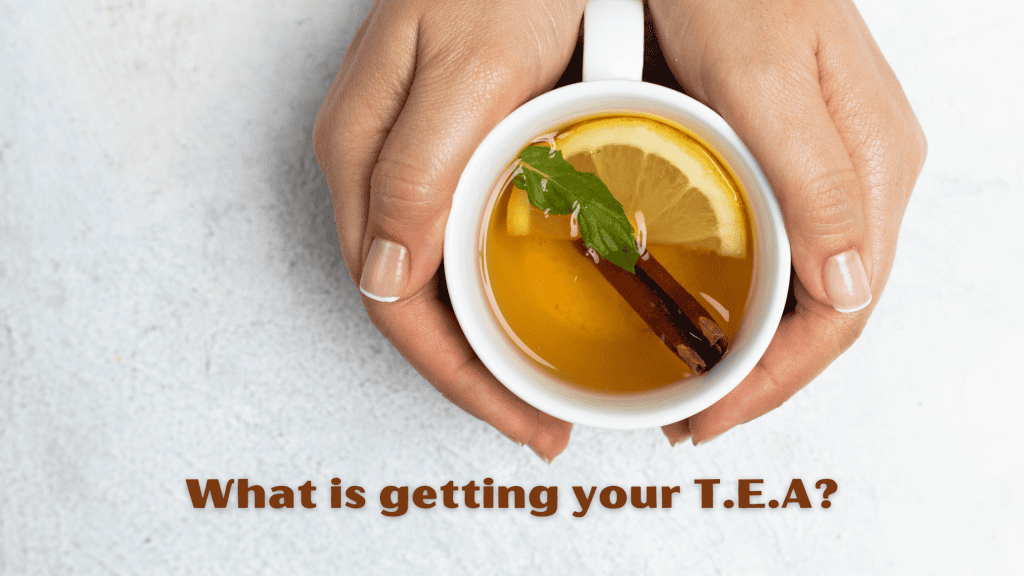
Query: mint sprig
<point x="553" y="185"/>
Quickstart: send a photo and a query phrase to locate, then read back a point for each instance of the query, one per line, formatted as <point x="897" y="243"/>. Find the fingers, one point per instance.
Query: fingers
<point x="353" y="123"/>
<point x="805" y="343"/>
<point x="766" y="85"/>
<point x="465" y="83"/>
<point x="451" y="107"/>
<point x="677" y="432"/>
<point x="414" y="107"/>
<point x="550" y="438"/>
<point x="879" y="130"/>
<point x="427" y="335"/>
<point x="815" y="181"/>
<point x="824" y="115"/>
<point x="819" y="190"/>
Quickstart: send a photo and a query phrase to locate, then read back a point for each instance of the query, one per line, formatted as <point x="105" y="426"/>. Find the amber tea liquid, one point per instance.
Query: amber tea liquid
<point x="559" y="310"/>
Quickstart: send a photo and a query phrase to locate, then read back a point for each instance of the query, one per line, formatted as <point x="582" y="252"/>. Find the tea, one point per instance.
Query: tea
<point x="564" y="311"/>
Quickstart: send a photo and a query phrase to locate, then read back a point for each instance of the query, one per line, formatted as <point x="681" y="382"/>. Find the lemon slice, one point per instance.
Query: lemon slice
<point x="523" y="219"/>
<point x="685" y="196"/>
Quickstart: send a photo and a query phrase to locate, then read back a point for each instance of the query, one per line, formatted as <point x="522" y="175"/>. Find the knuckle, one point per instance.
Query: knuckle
<point x="495" y="74"/>
<point x="909" y="147"/>
<point x="486" y="66"/>
<point x="322" y="135"/>
<point x="319" y="138"/>
<point x="405" y="191"/>
<point x="920" y="149"/>
<point x="488" y="76"/>
<point x="341" y="165"/>
<point x="757" y="72"/>
<point x="827" y="205"/>
<point x="330" y="133"/>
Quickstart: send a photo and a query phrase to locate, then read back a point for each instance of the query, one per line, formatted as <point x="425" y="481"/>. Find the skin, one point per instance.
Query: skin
<point x="802" y="82"/>
<point x="805" y="86"/>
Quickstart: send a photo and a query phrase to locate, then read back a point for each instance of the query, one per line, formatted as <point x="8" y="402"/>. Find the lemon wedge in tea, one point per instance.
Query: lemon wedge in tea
<point x="682" y="192"/>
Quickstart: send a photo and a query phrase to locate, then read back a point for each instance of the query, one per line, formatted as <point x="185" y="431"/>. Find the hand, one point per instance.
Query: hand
<point x="806" y="88"/>
<point x="421" y="85"/>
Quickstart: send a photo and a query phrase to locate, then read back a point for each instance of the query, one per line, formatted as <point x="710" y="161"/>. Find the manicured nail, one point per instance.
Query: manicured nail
<point x="706" y="440"/>
<point x="385" y="272"/>
<point x="846" y="282"/>
<point x="539" y="455"/>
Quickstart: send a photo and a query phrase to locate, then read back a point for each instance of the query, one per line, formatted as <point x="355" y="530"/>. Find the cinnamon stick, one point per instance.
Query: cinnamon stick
<point x="683" y="324"/>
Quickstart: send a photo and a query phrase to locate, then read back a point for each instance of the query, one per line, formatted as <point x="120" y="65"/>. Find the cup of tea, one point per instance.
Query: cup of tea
<point x="585" y="336"/>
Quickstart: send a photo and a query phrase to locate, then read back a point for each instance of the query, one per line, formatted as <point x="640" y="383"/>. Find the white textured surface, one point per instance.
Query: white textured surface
<point x="173" y="305"/>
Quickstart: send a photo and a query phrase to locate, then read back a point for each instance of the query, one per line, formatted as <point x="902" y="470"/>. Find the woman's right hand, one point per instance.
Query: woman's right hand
<point x="421" y="85"/>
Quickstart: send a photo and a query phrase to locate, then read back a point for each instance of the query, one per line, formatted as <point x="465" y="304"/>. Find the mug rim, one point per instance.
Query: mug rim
<point x="463" y="258"/>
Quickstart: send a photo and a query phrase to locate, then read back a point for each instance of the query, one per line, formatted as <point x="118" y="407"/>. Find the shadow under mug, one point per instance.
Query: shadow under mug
<point x="612" y="66"/>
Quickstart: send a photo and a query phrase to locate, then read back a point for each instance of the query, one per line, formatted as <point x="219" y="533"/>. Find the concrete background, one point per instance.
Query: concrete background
<point x="173" y="305"/>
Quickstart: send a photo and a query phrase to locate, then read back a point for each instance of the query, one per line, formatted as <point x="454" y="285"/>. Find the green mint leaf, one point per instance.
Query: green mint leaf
<point x="552" y="184"/>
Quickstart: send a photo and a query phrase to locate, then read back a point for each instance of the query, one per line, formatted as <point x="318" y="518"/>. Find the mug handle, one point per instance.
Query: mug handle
<point x="613" y="40"/>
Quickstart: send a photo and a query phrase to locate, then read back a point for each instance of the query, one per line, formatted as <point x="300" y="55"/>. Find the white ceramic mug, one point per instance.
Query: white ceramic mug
<point x="612" y="66"/>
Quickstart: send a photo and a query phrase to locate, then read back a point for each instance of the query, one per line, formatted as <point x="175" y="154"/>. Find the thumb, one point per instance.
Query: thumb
<point x="818" y="188"/>
<point x="449" y="111"/>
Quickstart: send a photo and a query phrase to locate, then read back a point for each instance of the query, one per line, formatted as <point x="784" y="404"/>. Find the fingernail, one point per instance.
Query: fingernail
<point x="846" y="282"/>
<point x="706" y="440"/>
<point x="539" y="455"/>
<point x="385" y="272"/>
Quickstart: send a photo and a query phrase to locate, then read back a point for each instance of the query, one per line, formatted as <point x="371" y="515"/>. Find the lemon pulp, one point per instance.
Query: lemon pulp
<point x="683" y="193"/>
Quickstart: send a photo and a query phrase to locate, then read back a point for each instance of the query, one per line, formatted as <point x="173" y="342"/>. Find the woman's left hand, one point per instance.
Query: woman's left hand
<point x="806" y="88"/>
